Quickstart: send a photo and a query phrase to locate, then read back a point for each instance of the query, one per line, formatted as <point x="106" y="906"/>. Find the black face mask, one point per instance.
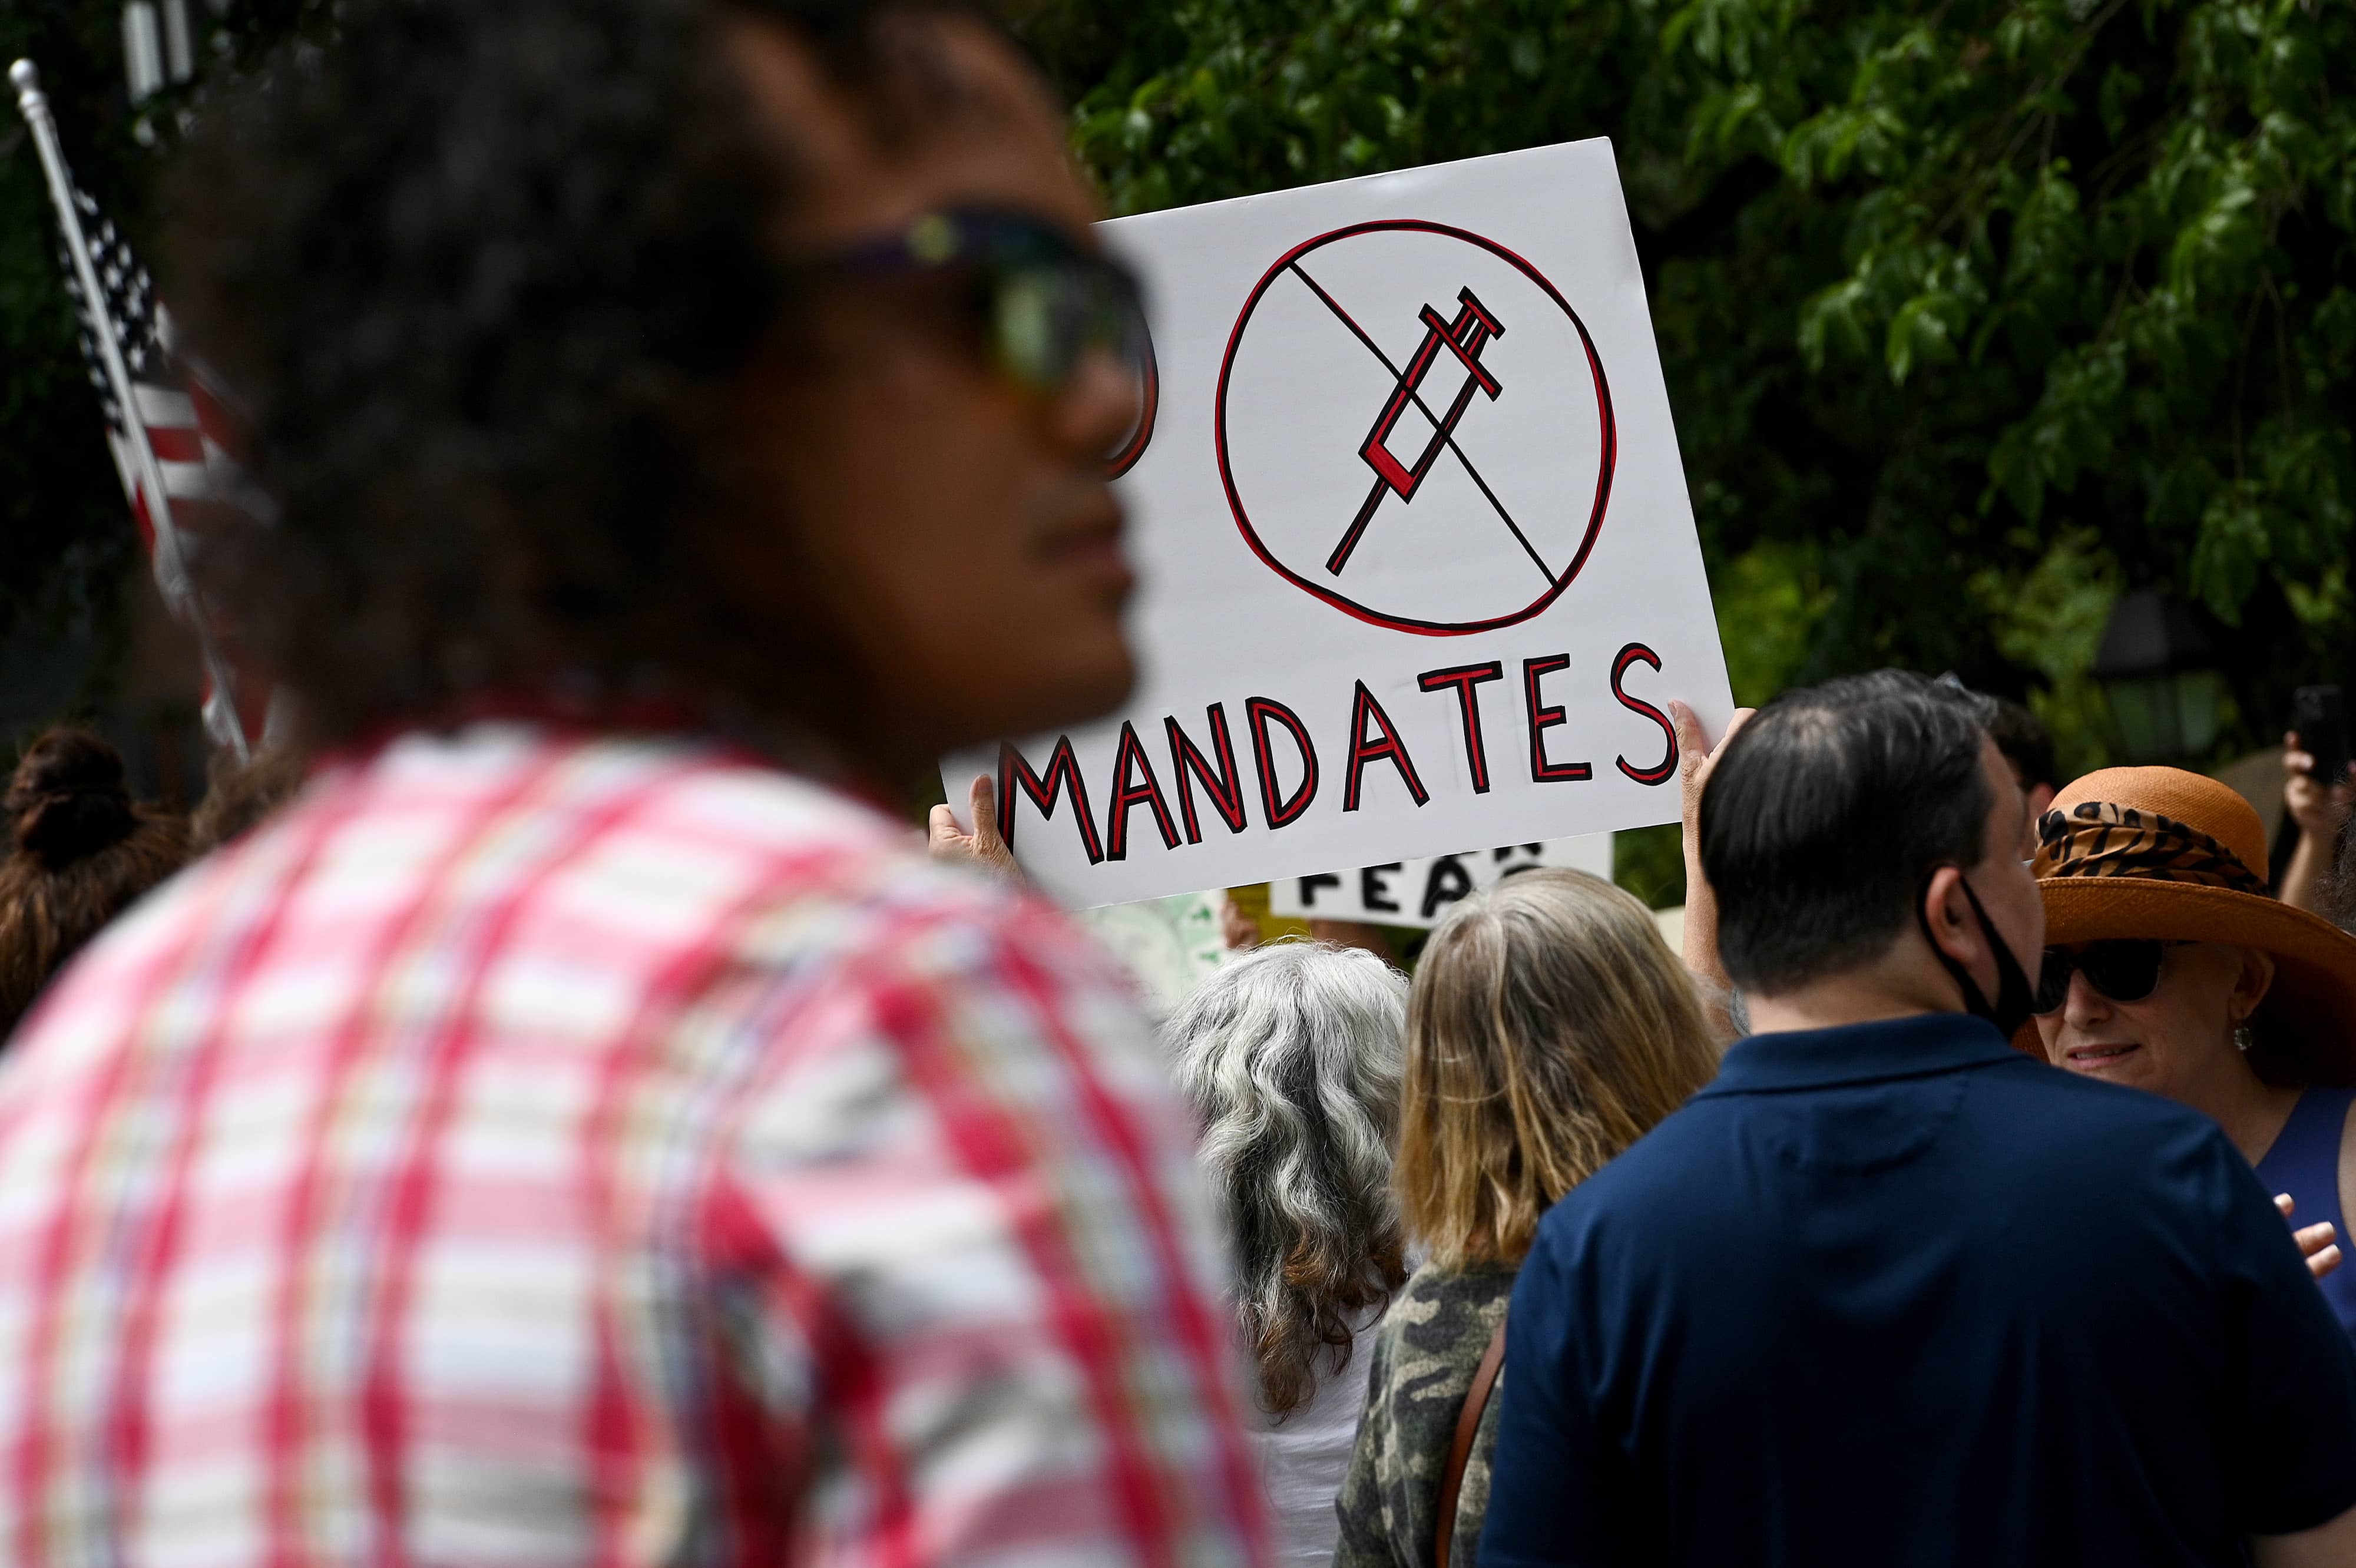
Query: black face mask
<point x="2016" y="998"/>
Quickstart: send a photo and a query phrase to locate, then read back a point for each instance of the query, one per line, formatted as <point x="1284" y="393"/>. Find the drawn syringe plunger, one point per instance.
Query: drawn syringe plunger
<point x="1465" y="338"/>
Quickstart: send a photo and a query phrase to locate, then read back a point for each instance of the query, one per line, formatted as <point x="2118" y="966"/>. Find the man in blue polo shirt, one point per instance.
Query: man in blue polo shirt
<point x="1889" y="1291"/>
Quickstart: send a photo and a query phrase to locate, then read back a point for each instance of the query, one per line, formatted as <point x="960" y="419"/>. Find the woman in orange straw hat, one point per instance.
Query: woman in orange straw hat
<point x="2170" y="967"/>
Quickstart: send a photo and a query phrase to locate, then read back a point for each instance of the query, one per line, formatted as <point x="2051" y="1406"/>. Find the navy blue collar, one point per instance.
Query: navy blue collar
<point x="1861" y="1053"/>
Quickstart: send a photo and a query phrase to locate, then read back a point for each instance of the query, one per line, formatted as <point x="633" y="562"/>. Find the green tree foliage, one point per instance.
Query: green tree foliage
<point x="1971" y="314"/>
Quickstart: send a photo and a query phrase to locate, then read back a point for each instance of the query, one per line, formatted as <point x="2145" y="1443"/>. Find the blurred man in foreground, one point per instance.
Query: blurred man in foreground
<point x="578" y="1130"/>
<point x="1887" y="1290"/>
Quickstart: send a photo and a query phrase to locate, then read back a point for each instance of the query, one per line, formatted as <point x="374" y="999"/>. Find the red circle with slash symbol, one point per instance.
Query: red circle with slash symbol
<point x="1427" y="443"/>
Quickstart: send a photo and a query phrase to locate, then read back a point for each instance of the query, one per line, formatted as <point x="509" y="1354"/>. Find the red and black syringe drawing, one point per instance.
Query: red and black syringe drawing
<point x="1464" y="337"/>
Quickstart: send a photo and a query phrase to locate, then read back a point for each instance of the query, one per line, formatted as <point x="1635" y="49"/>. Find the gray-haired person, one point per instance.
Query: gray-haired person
<point x="1291" y="1057"/>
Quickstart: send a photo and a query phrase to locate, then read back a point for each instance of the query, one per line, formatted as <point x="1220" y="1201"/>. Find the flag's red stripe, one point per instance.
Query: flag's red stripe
<point x="177" y="442"/>
<point x="213" y="419"/>
<point x="146" y="524"/>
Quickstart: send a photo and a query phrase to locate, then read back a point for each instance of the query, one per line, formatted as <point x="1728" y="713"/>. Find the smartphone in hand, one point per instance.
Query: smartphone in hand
<point x="2319" y="716"/>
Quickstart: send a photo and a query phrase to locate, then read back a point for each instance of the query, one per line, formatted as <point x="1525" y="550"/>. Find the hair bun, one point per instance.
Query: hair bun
<point x="69" y="800"/>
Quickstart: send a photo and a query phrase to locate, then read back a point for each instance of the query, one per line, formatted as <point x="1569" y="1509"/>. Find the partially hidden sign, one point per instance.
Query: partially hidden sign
<point x="1420" y="893"/>
<point x="1418" y="569"/>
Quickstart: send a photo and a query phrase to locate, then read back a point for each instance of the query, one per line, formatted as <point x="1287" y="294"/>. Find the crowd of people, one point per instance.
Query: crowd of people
<point x="571" y="1119"/>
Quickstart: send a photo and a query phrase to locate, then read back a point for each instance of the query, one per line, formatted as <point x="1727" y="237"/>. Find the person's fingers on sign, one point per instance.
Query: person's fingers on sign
<point x="982" y="848"/>
<point x="2315" y="1243"/>
<point x="1696" y="758"/>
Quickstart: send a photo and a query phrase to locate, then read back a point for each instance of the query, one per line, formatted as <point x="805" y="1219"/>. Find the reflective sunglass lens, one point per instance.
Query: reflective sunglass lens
<point x="1047" y="318"/>
<point x="1029" y="340"/>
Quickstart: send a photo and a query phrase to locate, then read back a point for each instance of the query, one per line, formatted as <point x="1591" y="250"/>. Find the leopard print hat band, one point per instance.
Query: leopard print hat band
<point x="2096" y="838"/>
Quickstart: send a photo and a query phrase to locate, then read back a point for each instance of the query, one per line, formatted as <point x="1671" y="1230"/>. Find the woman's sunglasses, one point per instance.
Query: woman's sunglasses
<point x="1043" y="305"/>
<point x="2124" y="970"/>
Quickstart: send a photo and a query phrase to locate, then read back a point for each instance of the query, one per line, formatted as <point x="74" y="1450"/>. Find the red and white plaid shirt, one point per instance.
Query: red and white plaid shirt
<point x="540" y="1150"/>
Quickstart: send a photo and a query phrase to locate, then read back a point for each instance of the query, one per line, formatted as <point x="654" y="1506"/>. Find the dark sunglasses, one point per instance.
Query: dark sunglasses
<point x="2124" y="970"/>
<point x="1043" y="304"/>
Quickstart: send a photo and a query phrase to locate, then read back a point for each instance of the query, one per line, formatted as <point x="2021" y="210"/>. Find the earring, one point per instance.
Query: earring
<point x="2241" y="1039"/>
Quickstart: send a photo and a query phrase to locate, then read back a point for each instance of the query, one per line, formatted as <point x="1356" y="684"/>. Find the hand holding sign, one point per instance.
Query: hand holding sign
<point x="982" y="848"/>
<point x="1701" y="930"/>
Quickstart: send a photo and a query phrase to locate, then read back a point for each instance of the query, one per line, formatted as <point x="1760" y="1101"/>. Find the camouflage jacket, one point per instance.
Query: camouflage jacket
<point x="1425" y="1355"/>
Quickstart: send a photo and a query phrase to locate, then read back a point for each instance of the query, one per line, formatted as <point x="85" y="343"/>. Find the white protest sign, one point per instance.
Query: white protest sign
<point x="1418" y="572"/>
<point x="1421" y="892"/>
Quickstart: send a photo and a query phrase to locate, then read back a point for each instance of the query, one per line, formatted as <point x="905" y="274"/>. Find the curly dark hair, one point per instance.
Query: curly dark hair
<point x="480" y="278"/>
<point x="83" y="852"/>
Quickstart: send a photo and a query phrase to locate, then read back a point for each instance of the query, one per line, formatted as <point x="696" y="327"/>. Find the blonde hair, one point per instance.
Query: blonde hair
<point x="1291" y="1057"/>
<point x="1549" y="1029"/>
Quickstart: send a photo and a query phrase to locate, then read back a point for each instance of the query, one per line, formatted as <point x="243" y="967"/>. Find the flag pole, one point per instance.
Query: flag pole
<point x="33" y="105"/>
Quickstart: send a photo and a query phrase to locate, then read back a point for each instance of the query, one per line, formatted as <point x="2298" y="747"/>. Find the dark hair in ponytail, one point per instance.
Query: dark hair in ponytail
<point x="83" y="853"/>
<point x="68" y="800"/>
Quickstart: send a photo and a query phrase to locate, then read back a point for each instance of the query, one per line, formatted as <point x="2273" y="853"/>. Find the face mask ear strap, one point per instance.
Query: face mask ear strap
<point x="1975" y="1001"/>
<point x="2016" y="999"/>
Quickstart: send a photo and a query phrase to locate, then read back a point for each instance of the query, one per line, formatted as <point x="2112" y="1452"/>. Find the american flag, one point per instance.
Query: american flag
<point x="185" y="421"/>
